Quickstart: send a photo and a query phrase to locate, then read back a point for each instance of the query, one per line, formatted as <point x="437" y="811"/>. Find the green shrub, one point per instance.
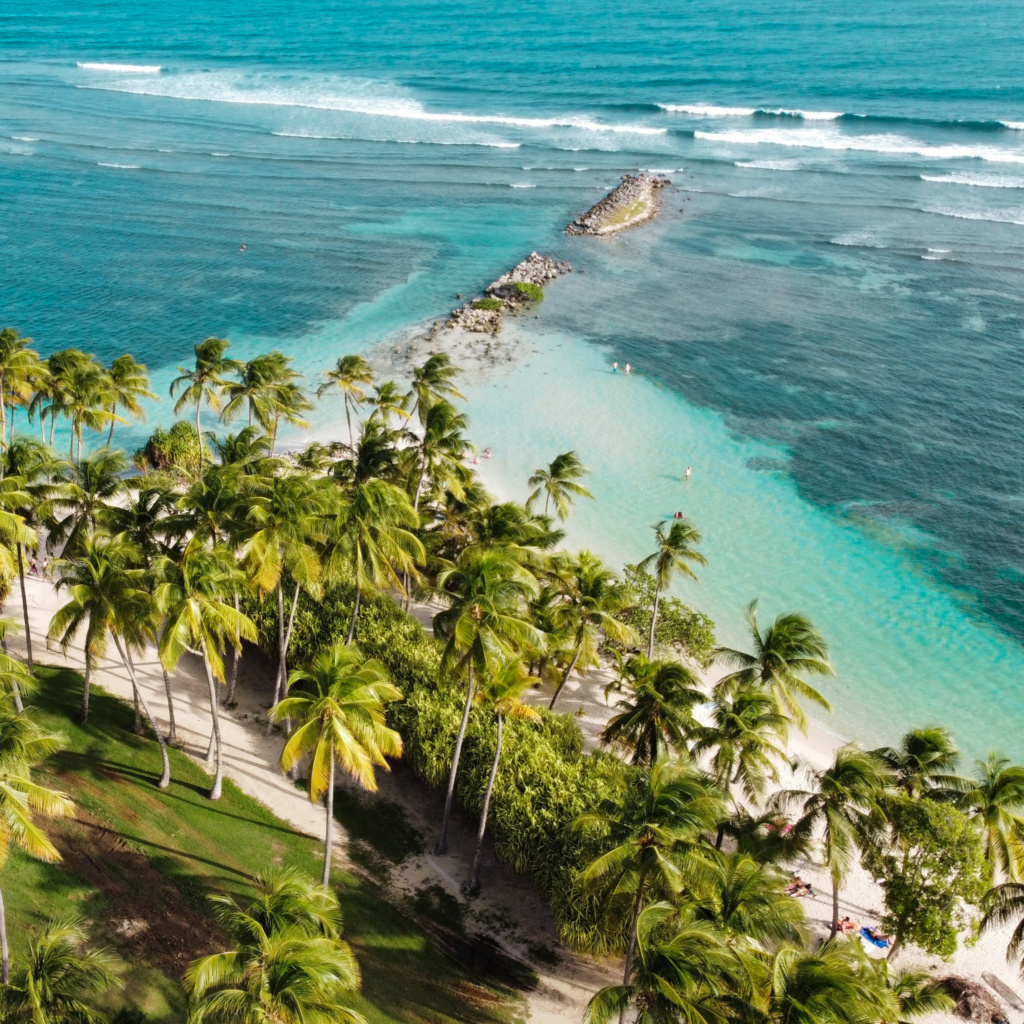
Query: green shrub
<point x="532" y="292"/>
<point x="545" y="780"/>
<point x="175" y="450"/>
<point x="489" y="303"/>
<point x="678" y="627"/>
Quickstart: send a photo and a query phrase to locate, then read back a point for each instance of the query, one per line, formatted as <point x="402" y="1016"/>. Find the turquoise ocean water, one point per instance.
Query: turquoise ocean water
<point x="827" y="319"/>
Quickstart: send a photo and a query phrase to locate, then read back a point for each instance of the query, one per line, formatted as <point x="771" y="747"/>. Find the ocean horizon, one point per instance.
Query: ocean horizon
<point x="826" y="319"/>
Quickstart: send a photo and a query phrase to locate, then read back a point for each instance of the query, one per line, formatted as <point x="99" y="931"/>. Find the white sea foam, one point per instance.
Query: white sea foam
<point x="770" y="165"/>
<point x="1017" y="126"/>
<point x="126" y="167"/>
<point x="24" y="138"/>
<point x="578" y="169"/>
<point x="129" y="69"/>
<point x="521" y="184"/>
<point x="991" y="216"/>
<point x="407" y="142"/>
<point x="860" y="239"/>
<point x="661" y="170"/>
<point x="218" y="153"/>
<point x="977" y="180"/>
<point x="833" y="139"/>
<point x="709" y="110"/>
<point x="342" y="95"/>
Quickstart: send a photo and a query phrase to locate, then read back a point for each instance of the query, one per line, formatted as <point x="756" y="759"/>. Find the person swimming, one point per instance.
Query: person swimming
<point x="678" y="515"/>
<point x="615" y="366"/>
<point x="629" y="369"/>
<point x="688" y="473"/>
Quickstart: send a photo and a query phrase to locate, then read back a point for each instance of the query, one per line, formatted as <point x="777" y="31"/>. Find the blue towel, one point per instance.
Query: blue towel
<point x="880" y="943"/>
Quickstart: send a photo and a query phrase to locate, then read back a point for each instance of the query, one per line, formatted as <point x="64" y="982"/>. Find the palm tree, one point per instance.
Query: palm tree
<point x="284" y="898"/>
<point x="23" y="507"/>
<point x="374" y="541"/>
<point x="591" y="597"/>
<point x="267" y="388"/>
<point x="905" y="994"/>
<point x="339" y="703"/>
<point x="675" y="551"/>
<point x="388" y="402"/>
<point x="558" y="482"/>
<point x="653" y="826"/>
<point x="432" y="381"/>
<point x="924" y="762"/>
<point x="87" y="397"/>
<point x="192" y="594"/>
<point x="108" y="596"/>
<point x="844" y="802"/>
<point x="440" y="450"/>
<point x="686" y="973"/>
<point x="743" y="735"/>
<point x="18" y="363"/>
<point x="275" y="978"/>
<point x="57" y="386"/>
<point x="58" y="979"/>
<point x="93" y="485"/>
<point x="1004" y="904"/>
<point x="483" y="624"/>
<point x="995" y="798"/>
<point x="657" y="717"/>
<point x="205" y="383"/>
<point x="501" y="692"/>
<point x="825" y="987"/>
<point x="348" y="375"/>
<point x="127" y="382"/>
<point x="16" y="679"/>
<point x="23" y="745"/>
<point x="286" y="522"/>
<point x="784" y="652"/>
<point x="745" y="901"/>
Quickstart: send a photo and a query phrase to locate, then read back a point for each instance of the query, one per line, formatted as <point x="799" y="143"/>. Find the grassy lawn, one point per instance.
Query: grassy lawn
<point x="139" y="864"/>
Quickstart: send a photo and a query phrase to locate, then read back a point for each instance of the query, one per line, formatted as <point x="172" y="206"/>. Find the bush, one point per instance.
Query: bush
<point x="175" y="450"/>
<point x="531" y="292"/>
<point x="678" y="627"/>
<point x="545" y="780"/>
<point x="489" y="303"/>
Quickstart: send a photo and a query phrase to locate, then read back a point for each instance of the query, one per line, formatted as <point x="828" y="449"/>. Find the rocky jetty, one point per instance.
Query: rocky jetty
<point x="632" y="202"/>
<point x="509" y="292"/>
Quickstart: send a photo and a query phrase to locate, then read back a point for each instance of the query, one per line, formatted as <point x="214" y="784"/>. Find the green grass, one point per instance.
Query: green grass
<point x="139" y="864"/>
<point x="626" y="214"/>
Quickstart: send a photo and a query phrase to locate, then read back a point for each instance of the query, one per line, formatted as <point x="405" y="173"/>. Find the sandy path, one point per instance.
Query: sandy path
<point x="510" y="909"/>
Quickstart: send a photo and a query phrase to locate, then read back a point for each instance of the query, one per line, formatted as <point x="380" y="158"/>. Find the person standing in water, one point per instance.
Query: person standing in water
<point x="688" y="473"/>
<point x="615" y="366"/>
<point x="628" y="369"/>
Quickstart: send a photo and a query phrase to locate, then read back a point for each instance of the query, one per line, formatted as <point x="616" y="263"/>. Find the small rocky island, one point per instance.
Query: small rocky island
<point x="523" y="284"/>
<point x="632" y="202"/>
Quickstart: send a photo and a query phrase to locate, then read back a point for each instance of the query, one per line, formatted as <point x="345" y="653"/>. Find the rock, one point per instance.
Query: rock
<point x="972" y="1001"/>
<point x="632" y="202"/>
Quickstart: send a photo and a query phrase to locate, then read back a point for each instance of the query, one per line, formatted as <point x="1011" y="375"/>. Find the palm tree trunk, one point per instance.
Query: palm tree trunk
<point x="893" y="950"/>
<point x="165" y="778"/>
<point x="563" y="680"/>
<point x="4" y="953"/>
<point x="199" y="433"/>
<point x="835" y="909"/>
<point x="24" y="611"/>
<point x="229" y="700"/>
<point x="329" y="836"/>
<point x="351" y="436"/>
<point x="85" y="689"/>
<point x="280" y="655"/>
<point x="355" y="612"/>
<point x="442" y="843"/>
<point x="654" y="620"/>
<point x="474" y="875"/>
<point x="631" y="945"/>
<point x="218" y="775"/>
<point x="172" y="732"/>
<point x="138" y="714"/>
<point x="113" y="413"/>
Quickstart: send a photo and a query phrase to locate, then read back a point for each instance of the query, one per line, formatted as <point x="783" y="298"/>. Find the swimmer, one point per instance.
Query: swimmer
<point x="241" y="248"/>
<point x="487" y="453"/>
<point x="688" y="473"/>
<point x="615" y="366"/>
<point x="629" y="369"/>
<point x="678" y="515"/>
<point x="476" y="461"/>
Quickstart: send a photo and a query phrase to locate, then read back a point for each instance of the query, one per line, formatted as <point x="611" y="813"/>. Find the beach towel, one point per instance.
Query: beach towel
<point x="880" y="943"/>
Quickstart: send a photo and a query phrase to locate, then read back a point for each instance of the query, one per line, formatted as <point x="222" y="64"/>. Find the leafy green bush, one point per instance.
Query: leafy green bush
<point x="545" y="780"/>
<point x="175" y="450"/>
<point x="489" y="303"/>
<point x="532" y="292"/>
<point x="678" y="626"/>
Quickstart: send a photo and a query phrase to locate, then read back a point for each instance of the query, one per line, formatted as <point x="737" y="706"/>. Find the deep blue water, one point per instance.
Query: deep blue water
<point x="838" y="269"/>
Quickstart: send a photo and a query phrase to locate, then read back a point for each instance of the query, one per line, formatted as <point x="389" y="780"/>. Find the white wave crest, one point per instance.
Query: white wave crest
<point x="125" y="167"/>
<point x="521" y="184"/>
<point x="770" y="165"/>
<point x="859" y="239"/>
<point x="977" y="180"/>
<point x="805" y="115"/>
<point x="1017" y="126"/>
<point x="707" y="110"/>
<point x="345" y="96"/>
<point x="833" y="139"/>
<point x="407" y="142"/>
<point x="24" y="138"/>
<point x="992" y="216"/>
<point x="130" y="69"/>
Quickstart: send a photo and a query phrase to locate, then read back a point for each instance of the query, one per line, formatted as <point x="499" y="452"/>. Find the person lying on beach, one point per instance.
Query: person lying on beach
<point x="877" y="936"/>
<point x="797" y="883"/>
<point x="846" y="925"/>
<point x="804" y="890"/>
